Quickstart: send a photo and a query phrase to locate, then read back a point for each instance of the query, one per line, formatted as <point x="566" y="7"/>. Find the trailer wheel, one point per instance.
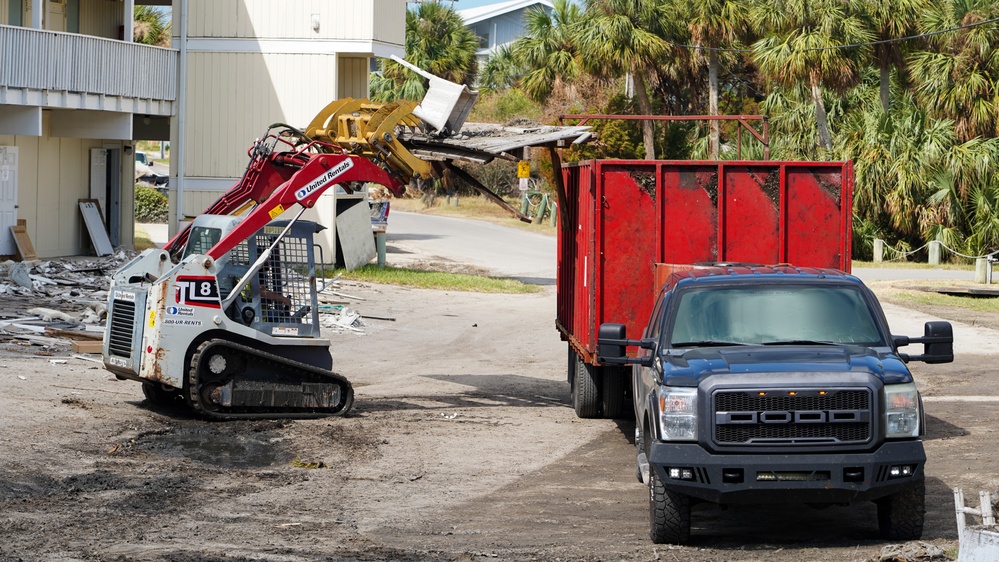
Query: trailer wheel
<point x="612" y="397"/>
<point x="900" y="515"/>
<point x="669" y="512"/>
<point x="586" y="389"/>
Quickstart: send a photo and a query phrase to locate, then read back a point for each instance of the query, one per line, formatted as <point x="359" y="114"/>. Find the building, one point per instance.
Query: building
<point x="265" y="62"/>
<point x="76" y="94"/>
<point x="498" y="25"/>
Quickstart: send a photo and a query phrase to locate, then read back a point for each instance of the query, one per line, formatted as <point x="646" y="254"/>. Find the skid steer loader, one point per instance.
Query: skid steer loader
<point x="225" y="316"/>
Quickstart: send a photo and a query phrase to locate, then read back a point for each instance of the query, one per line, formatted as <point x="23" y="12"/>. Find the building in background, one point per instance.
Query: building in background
<point x="500" y="24"/>
<point x="246" y="64"/>
<point x="76" y="94"/>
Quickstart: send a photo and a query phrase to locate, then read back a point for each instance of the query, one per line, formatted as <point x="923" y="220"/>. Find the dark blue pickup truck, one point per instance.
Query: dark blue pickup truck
<point x="775" y="384"/>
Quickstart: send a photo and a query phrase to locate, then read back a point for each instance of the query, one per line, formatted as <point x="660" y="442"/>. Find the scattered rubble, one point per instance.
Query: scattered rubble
<point x="915" y="551"/>
<point x="46" y="305"/>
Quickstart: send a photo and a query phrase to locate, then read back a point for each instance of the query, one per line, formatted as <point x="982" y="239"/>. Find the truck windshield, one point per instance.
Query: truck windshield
<point x="772" y="315"/>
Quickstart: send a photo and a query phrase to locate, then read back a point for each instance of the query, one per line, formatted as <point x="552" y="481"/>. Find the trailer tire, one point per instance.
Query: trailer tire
<point x="669" y="513"/>
<point x="900" y="515"/>
<point x="612" y="397"/>
<point x="586" y="389"/>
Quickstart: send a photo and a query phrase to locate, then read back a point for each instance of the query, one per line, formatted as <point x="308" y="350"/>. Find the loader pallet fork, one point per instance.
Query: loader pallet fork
<point x="228" y="380"/>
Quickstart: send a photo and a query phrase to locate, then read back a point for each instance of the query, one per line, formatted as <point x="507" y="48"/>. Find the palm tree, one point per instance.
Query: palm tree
<point x="957" y="77"/>
<point x="151" y="26"/>
<point x="802" y="47"/>
<point x="891" y="19"/>
<point x="502" y="71"/>
<point x="547" y="50"/>
<point x="631" y="36"/>
<point x="436" y="41"/>
<point x="713" y="24"/>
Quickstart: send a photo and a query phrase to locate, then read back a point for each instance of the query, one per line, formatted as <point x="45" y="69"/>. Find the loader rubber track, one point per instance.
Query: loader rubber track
<point x="220" y="365"/>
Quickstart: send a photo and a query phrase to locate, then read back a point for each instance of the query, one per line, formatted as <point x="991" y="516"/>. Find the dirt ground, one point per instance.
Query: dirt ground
<point x="461" y="446"/>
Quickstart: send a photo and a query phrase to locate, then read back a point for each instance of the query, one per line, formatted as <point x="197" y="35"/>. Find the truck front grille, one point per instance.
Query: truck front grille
<point x="786" y="417"/>
<point x="122" y="324"/>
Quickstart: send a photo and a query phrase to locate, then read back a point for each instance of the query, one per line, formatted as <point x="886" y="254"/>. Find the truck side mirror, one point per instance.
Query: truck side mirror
<point x="608" y="337"/>
<point x="612" y="346"/>
<point x="937" y="340"/>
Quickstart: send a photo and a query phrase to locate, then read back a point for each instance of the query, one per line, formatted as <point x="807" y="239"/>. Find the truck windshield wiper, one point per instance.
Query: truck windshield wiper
<point x="707" y="343"/>
<point x="800" y="342"/>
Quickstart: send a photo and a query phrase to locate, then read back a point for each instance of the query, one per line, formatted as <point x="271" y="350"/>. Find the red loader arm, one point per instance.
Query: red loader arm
<point x="321" y="172"/>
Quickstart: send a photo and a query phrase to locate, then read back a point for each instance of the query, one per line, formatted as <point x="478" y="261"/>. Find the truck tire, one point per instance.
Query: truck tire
<point x="669" y="513"/>
<point x="900" y="515"/>
<point x="586" y="389"/>
<point x="612" y="395"/>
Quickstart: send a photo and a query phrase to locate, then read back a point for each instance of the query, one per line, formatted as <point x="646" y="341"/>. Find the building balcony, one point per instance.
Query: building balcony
<point x="65" y="71"/>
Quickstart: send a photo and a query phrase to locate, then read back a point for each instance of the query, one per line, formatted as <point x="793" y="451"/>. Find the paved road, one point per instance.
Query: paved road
<point x="504" y="251"/>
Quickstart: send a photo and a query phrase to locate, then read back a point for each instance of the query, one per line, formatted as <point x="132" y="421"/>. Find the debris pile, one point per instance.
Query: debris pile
<point x="57" y="303"/>
<point x="915" y="551"/>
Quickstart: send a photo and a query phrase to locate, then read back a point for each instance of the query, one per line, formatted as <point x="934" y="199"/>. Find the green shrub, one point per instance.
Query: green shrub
<point x="150" y="205"/>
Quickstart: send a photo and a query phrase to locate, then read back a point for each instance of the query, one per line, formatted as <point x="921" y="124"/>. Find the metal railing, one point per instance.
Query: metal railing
<point x="49" y="60"/>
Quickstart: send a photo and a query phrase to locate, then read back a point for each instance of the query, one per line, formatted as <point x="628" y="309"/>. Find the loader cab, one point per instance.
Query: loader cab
<point x="281" y="298"/>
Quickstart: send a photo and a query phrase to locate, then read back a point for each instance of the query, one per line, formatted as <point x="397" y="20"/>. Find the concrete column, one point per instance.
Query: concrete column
<point x="879" y="250"/>
<point x="935" y="248"/>
<point x="981" y="270"/>
<point x="380" y="248"/>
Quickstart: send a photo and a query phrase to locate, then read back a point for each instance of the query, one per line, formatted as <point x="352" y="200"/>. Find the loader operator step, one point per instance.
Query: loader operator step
<point x="228" y="380"/>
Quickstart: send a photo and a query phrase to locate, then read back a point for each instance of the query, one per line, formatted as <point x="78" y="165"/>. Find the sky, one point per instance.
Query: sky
<point x="465" y="4"/>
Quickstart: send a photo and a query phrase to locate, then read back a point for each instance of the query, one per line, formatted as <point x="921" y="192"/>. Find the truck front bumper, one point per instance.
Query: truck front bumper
<point x="834" y="478"/>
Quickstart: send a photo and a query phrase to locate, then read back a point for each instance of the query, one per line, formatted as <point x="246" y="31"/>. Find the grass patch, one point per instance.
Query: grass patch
<point x="905" y="292"/>
<point x="436" y="280"/>
<point x="142" y="240"/>
<point x="472" y="207"/>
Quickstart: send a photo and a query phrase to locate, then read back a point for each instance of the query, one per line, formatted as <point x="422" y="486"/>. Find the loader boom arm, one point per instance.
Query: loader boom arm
<point x="304" y="187"/>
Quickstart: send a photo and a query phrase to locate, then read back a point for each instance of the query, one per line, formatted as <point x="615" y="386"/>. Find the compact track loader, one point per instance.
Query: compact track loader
<point x="225" y="316"/>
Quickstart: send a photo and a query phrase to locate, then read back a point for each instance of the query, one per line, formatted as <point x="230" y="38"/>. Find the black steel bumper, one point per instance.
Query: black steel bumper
<point x="788" y="478"/>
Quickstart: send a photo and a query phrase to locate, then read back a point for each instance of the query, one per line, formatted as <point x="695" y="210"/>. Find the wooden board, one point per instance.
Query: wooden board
<point x="24" y="248"/>
<point x="88" y="346"/>
<point x="94" y="220"/>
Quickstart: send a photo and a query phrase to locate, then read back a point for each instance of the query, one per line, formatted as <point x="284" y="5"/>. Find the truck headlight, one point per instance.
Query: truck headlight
<point x="678" y="413"/>
<point x="901" y="411"/>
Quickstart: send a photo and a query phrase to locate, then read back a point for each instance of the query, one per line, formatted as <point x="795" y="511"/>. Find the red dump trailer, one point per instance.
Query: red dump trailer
<point x="624" y="216"/>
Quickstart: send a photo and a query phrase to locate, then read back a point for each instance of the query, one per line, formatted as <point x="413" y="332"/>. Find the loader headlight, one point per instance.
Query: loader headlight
<point x="901" y="411"/>
<point x="678" y="413"/>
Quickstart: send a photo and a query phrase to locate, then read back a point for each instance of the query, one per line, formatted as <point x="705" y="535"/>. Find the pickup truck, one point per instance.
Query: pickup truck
<point x="777" y="384"/>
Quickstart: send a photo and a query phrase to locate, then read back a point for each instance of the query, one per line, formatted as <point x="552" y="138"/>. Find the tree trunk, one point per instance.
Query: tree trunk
<point x="820" y="116"/>
<point x="715" y="139"/>
<point x="885" y="85"/>
<point x="642" y="97"/>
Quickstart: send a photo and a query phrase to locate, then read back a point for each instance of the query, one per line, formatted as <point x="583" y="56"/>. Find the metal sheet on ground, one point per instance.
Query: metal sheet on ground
<point x="353" y="232"/>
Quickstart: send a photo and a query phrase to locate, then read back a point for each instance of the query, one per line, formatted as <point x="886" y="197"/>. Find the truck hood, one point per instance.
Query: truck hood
<point x="694" y="365"/>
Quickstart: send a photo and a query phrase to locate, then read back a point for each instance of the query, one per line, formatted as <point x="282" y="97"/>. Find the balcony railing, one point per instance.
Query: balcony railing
<point x="46" y="60"/>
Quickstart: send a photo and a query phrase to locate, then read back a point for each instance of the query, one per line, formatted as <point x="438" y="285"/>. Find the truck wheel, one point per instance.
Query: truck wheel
<point x="612" y="397"/>
<point x="585" y="389"/>
<point x="900" y="515"/>
<point x="669" y="513"/>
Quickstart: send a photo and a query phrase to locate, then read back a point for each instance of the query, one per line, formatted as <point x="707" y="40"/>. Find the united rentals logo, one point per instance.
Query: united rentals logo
<point x="324" y="179"/>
